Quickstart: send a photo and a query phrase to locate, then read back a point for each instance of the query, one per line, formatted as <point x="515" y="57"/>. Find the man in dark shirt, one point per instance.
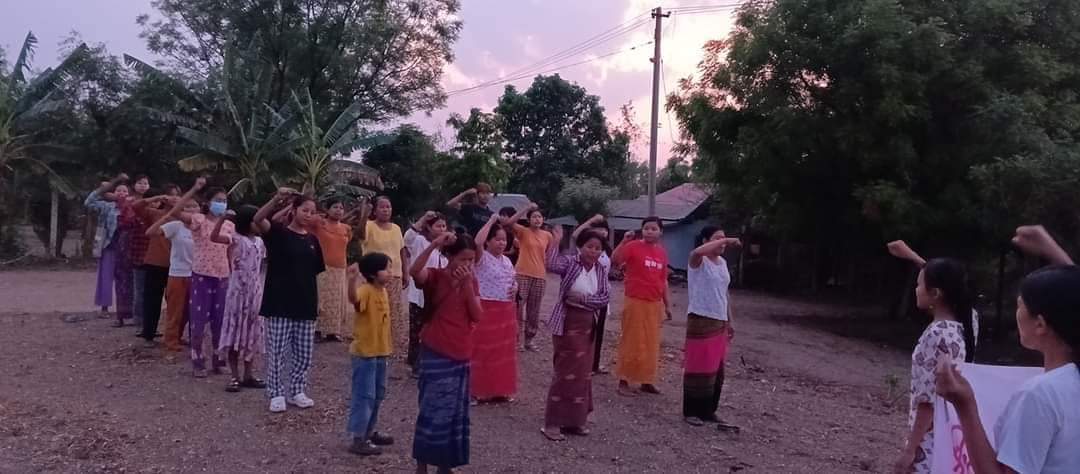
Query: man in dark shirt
<point x="472" y="207"/>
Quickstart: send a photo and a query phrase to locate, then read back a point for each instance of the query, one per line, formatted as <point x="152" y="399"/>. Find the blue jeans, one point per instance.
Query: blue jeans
<point x="368" y="391"/>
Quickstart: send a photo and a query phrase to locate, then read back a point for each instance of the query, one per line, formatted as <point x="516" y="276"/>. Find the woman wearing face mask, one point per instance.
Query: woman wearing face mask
<point x="137" y="248"/>
<point x="417" y="239"/>
<point x="383" y="236"/>
<point x="1039" y="430"/>
<point x="106" y="202"/>
<point x="290" y="299"/>
<point x="209" y="279"/>
<point x="532" y="243"/>
<point x="583" y="293"/>
<point x="494" y="358"/>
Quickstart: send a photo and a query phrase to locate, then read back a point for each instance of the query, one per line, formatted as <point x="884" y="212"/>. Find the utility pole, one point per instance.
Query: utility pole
<point x="659" y="15"/>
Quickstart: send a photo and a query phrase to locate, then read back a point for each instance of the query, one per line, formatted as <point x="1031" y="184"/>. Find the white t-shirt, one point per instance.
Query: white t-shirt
<point x="183" y="248"/>
<point x="1039" y="431"/>
<point x="707" y="287"/>
<point x="586" y="282"/>
<point x="416" y="244"/>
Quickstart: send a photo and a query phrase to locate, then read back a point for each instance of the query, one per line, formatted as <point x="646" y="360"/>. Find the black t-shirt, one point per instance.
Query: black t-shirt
<point x="293" y="261"/>
<point x="473" y="217"/>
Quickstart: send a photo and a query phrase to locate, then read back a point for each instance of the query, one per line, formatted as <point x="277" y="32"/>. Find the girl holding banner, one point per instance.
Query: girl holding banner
<point x="1039" y="430"/>
<point x="942" y="292"/>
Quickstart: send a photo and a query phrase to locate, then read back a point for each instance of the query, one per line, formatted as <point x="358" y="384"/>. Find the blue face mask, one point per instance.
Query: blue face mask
<point x="218" y="208"/>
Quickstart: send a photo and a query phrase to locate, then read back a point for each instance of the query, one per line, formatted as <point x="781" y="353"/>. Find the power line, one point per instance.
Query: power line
<point x="663" y="81"/>
<point x="528" y="74"/>
<point x="592" y="42"/>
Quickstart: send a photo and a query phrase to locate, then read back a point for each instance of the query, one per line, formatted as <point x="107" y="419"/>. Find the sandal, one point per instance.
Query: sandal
<point x="575" y="431"/>
<point x="625" y="390"/>
<point x="694" y="421"/>
<point x="650" y="388"/>
<point x="252" y="382"/>
<point x="552" y="436"/>
<point x="233" y="386"/>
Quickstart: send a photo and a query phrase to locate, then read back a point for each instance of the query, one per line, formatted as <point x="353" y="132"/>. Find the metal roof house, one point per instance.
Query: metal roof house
<point x="501" y="200"/>
<point x="683" y="210"/>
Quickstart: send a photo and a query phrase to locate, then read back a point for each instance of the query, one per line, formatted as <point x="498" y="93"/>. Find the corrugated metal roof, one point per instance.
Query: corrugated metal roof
<point x="499" y="201"/>
<point x="672" y="205"/>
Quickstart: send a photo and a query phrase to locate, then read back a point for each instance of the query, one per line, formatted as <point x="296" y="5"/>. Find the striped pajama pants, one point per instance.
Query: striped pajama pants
<point x="531" y="292"/>
<point x="288" y="335"/>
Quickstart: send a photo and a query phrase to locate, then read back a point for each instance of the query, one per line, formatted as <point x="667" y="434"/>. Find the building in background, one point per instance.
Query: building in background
<point x="683" y="209"/>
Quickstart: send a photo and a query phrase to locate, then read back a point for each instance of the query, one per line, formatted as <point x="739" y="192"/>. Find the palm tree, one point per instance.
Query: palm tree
<point x="21" y="101"/>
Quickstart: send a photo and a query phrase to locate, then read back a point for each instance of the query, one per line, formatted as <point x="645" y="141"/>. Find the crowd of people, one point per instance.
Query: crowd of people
<point x="474" y="283"/>
<point x="473" y="296"/>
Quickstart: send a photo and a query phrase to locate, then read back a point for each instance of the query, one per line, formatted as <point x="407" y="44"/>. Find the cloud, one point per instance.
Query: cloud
<point x="454" y="78"/>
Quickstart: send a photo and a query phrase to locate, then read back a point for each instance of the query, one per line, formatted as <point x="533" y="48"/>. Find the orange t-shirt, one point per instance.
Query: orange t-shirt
<point x="646" y="270"/>
<point x="334" y="239"/>
<point x="159" y="247"/>
<point x="532" y="247"/>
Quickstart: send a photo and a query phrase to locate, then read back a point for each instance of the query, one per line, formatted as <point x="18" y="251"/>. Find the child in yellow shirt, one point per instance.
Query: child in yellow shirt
<point x="370" y="349"/>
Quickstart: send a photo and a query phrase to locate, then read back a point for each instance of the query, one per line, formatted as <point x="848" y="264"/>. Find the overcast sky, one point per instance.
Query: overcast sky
<point x="495" y="41"/>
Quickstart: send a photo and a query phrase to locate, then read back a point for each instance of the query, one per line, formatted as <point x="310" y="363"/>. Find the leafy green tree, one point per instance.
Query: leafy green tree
<point x="477" y="156"/>
<point x="675" y="172"/>
<point x="407" y="166"/>
<point x="26" y="148"/>
<point x="387" y="55"/>
<point x="553" y="130"/>
<point x="585" y="197"/>
<point x="845" y="123"/>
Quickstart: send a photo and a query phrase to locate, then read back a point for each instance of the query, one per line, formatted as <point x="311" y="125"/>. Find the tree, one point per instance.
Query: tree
<point x="407" y="165"/>
<point x="316" y="150"/>
<point x="387" y="55"/>
<point x="554" y="130"/>
<point x="24" y="100"/>
<point x="673" y="174"/>
<point x="23" y="148"/>
<point x="477" y="156"/>
<point x="585" y="197"/>
<point x="844" y="123"/>
<point x="634" y="181"/>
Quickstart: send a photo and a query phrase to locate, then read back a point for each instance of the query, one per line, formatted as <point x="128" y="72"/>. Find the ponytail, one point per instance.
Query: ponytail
<point x="951" y="278"/>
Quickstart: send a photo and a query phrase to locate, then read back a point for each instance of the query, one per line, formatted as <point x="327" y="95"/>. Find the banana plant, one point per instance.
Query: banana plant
<point x="243" y="135"/>
<point x="320" y="161"/>
<point x="21" y="101"/>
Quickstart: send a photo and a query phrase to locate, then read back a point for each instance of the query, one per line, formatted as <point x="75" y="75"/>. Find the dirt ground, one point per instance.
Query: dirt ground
<point x="84" y="397"/>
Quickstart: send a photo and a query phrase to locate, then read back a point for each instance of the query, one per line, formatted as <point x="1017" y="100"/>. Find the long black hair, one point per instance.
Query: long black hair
<point x="589" y="234"/>
<point x="1054" y="293"/>
<point x="244" y="216"/>
<point x="462" y="242"/>
<point x="951" y="277"/>
<point x="705" y="235"/>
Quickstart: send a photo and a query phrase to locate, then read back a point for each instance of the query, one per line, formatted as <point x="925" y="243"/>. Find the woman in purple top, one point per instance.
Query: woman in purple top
<point x="583" y="293"/>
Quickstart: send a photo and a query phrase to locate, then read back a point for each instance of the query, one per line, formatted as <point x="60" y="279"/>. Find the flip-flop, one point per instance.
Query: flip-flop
<point x="728" y="428"/>
<point x="252" y="383"/>
<point x="626" y="392"/>
<point x="233" y="386"/>
<point x="575" y="431"/>
<point x="552" y="436"/>
<point x="694" y="421"/>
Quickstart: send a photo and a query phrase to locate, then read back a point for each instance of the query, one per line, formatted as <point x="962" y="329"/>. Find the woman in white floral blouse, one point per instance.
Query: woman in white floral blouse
<point x="943" y="293"/>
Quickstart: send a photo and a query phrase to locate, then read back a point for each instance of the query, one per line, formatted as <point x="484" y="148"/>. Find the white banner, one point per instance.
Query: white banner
<point x="993" y="385"/>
